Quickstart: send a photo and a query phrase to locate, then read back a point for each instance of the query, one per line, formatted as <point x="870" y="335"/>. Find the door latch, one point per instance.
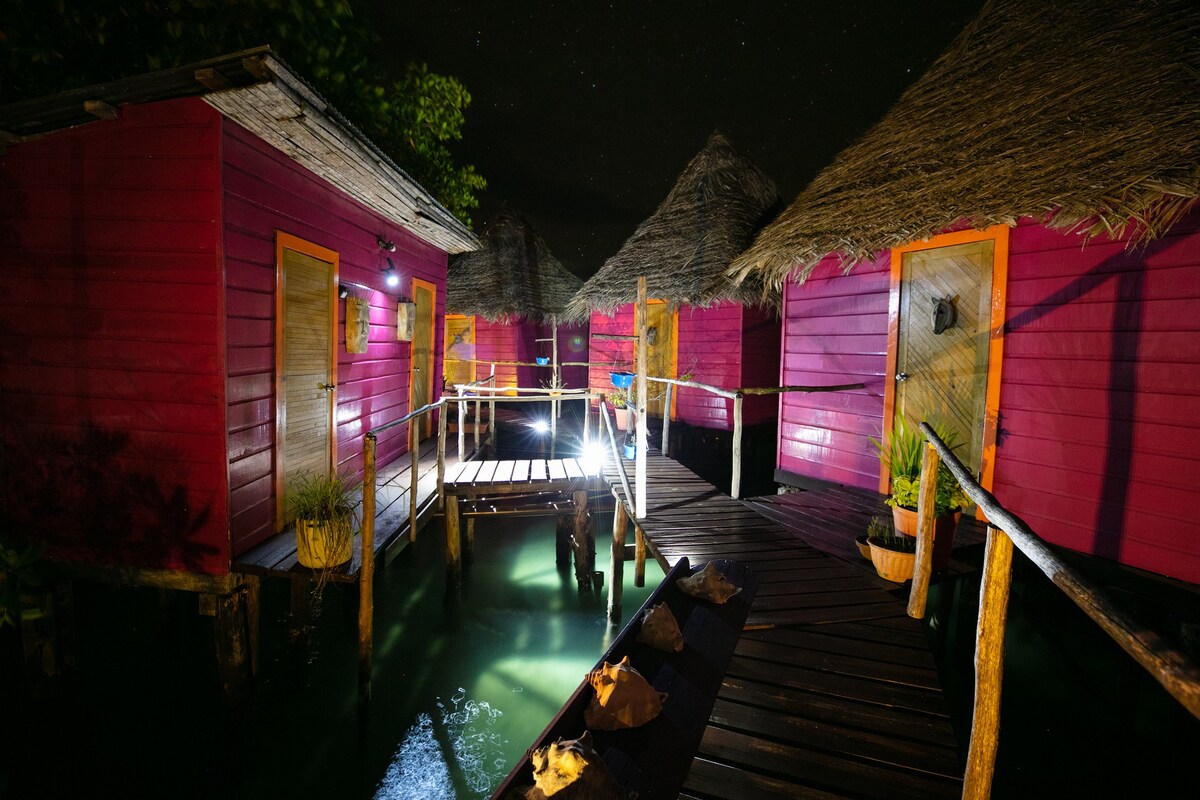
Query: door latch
<point x="901" y="377"/>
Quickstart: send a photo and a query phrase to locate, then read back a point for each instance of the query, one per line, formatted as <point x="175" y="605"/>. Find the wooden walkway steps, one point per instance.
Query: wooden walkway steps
<point x="832" y="691"/>
<point x="277" y="555"/>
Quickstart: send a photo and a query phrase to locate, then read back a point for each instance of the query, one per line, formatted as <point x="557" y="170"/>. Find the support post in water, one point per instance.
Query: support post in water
<point x="643" y="355"/>
<point x="366" y="577"/>
<point x="414" y="448"/>
<point x="453" y="543"/>
<point x="585" y="546"/>
<point x="617" y="562"/>
<point x="639" y="563"/>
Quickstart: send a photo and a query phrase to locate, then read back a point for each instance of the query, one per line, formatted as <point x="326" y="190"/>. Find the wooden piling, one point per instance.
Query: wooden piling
<point x="735" y="489"/>
<point x="453" y="543"/>
<point x="366" y="577"/>
<point x="253" y="617"/>
<point x="414" y="451"/>
<point x="229" y="631"/>
<point x="441" y="458"/>
<point x="617" y="562"/>
<point x="469" y="543"/>
<point x="562" y="541"/>
<point x="989" y="665"/>
<point x="585" y="545"/>
<point x="639" y="562"/>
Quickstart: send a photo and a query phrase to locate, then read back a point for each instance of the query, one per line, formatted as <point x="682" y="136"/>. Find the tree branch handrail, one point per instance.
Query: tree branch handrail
<point x="618" y="463"/>
<point x="1171" y="667"/>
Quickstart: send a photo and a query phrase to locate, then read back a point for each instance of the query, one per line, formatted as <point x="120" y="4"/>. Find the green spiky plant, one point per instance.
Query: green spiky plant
<point x="880" y="534"/>
<point x="902" y="457"/>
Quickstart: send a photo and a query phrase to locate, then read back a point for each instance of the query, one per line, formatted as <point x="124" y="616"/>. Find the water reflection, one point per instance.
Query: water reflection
<point x="464" y="734"/>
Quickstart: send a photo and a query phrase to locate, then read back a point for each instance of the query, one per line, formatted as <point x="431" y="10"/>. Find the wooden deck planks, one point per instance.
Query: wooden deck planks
<point x="832" y="691"/>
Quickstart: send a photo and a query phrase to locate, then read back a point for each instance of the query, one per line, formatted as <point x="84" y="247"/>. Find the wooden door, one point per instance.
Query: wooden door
<point x="660" y="351"/>
<point x="458" y="361"/>
<point x="306" y="369"/>
<point x="949" y="371"/>
<point x="421" y="363"/>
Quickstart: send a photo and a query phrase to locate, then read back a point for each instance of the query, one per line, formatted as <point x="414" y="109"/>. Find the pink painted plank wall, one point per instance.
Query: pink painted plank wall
<point x="496" y="341"/>
<point x="609" y="355"/>
<point x="572" y="346"/>
<point x="1100" y="440"/>
<point x="835" y="331"/>
<point x="111" y="340"/>
<point x="265" y="191"/>
<point x="762" y="331"/>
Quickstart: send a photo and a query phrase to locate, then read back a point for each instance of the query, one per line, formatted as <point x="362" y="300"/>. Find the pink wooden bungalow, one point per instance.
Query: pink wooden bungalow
<point x="702" y="323"/>
<point x="181" y="252"/>
<point x="1040" y="182"/>
<point x="503" y="304"/>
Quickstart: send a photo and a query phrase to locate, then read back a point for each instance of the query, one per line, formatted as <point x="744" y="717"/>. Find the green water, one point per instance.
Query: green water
<point x="461" y="687"/>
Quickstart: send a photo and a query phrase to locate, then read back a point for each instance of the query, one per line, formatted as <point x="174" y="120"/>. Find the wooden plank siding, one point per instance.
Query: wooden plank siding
<point x="496" y="341"/>
<point x="111" y="339"/>
<point x="609" y="355"/>
<point x="265" y="191"/>
<point x="1098" y="437"/>
<point x="725" y="345"/>
<point x="835" y="331"/>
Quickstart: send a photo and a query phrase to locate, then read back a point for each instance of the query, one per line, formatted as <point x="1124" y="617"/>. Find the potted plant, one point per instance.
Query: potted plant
<point x="893" y="554"/>
<point x="323" y="507"/>
<point x="619" y="400"/>
<point x="902" y="457"/>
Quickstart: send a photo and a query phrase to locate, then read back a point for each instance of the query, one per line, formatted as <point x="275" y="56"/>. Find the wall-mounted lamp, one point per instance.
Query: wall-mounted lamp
<point x="343" y="291"/>
<point x="385" y="244"/>
<point x="392" y="278"/>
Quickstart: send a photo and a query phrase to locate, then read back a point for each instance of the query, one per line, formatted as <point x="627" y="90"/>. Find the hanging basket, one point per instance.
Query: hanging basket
<point x="621" y="380"/>
<point x="542" y="361"/>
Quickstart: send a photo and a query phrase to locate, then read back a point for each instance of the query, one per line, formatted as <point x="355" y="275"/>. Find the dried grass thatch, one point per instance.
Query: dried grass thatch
<point x="512" y="276"/>
<point x="1085" y="113"/>
<point x="717" y="204"/>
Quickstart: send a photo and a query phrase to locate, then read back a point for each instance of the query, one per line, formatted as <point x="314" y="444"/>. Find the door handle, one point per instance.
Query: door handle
<point x="416" y="369"/>
<point x="901" y="377"/>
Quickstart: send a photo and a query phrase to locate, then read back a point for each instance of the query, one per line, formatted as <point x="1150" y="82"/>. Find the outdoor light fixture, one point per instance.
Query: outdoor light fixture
<point x="540" y="426"/>
<point x="593" y="454"/>
<point x="392" y="278"/>
<point x="343" y="291"/>
<point x="385" y="244"/>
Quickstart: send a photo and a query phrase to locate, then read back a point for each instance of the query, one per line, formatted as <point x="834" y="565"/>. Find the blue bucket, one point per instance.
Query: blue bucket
<point x="631" y="451"/>
<point x="542" y="361"/>
<point x="621" y="380"/>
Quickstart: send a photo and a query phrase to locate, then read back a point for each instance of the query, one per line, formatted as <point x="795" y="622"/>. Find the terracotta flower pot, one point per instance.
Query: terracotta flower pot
<point x="624" y="418"/>
<point x="891" y="565"/>
<point x="904" y="520"/>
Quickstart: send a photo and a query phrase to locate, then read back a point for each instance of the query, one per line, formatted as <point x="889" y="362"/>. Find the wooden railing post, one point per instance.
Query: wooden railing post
<point x="441" y="458"/>
<point x="666" y="431"/>
<point x="413" y="476"/>
<point x="462" y="429"/>
<point x="477" y="419"/>
<point x="989" y="665"/>
<point x="492" y="406"/>
<point x="923" y="563"/>
<point x="587" y="417"/>
<point x="366" y="576"/>
<point x="735" y="489"/>
<point x="642" y="356"/>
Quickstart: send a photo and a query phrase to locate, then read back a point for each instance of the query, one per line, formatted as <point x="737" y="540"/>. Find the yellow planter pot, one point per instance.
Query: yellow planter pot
<point x="890" y="565"/>
<point x="320" y="545"/>
<point x="904" y="520"/>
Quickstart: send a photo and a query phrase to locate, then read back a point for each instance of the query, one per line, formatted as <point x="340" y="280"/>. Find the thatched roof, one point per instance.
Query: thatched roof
<point x="685" y="247"/>
<point x="1085" y="113"/>
<point x="261" y="93"/>
<point x="513" y="275"/>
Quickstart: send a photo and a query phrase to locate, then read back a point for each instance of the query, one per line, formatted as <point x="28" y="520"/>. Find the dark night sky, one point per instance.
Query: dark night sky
<point x="583" y="114"/>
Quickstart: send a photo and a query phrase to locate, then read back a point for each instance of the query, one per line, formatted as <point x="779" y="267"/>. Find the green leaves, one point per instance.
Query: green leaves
<point x="52" y="45"/>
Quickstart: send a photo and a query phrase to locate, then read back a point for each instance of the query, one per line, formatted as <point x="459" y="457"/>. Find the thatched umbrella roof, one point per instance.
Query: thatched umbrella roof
<point x="685" y="247"/>
<point x="513" y="275"/>
<point x="1085" y="113"/>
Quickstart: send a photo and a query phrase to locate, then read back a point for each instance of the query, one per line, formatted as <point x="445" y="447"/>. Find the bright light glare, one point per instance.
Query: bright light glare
<point x="393" y="279"/>
<point x="593" y="454"/>
<point x="540" y="426"/>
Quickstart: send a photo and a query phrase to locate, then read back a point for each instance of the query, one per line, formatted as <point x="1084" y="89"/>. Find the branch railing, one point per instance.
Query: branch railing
<point x="1173" y="668"/>
<point x="737" y="396"/>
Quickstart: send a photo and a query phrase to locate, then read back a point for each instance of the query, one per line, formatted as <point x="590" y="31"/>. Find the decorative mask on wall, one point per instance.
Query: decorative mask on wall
<point x="358" y="324"/>
<point x="944" y="314"/>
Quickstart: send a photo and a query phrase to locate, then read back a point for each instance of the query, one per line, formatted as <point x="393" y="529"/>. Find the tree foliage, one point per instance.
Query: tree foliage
<point x="53" y="45"/>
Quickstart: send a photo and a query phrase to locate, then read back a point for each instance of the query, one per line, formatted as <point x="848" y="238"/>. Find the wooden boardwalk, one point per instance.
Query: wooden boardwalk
<point x="277" y="555"/>
<point x="832" y="691"/>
